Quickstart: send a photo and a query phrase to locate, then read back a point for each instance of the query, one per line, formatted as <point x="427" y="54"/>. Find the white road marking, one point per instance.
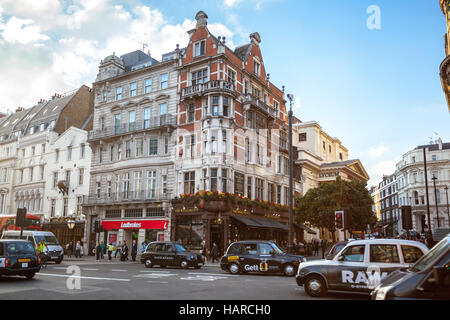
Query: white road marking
<point x="154" y="271"/>
<point x="213" y="274"/>
<point x="78" y="277"/>
<point x="60" y="268"/>
<point x="88" y="269"/>
<point x="204" y="278"/>
<point x="156" y="275"/>
<point x="164" y="282"/>
<point x="117" y="270"/>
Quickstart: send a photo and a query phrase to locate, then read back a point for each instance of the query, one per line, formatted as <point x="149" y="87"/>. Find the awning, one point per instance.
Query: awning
<point x="261" y="223"/>
<point x="303" y="227"/>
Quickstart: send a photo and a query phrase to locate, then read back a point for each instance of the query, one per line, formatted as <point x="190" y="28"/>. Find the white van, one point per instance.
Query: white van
<point x="54" y="252"/>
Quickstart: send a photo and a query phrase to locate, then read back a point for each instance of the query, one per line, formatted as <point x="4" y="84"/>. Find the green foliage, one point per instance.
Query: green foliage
<point x="319" y="205"/>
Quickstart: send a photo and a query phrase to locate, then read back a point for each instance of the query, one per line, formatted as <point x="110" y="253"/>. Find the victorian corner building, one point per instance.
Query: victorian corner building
<point x="204" y="118"/>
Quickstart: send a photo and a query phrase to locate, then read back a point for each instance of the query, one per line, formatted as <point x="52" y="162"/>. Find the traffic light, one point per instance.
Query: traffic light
<point x="21" y="217"/>
<point x="338" y="218"/>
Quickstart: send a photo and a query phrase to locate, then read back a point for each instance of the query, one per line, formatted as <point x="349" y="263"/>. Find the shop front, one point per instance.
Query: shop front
<point x="139" y="230"/>
<point x="225" y="222"/>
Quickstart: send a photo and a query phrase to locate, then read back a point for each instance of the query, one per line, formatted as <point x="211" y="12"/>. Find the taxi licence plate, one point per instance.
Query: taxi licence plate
<point x="24" y="265"/>
<point x="24" y="260"/>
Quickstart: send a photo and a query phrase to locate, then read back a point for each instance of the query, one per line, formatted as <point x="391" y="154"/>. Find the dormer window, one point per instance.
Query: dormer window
<point x="200" y="48"/>
<point x="32" y="129"/>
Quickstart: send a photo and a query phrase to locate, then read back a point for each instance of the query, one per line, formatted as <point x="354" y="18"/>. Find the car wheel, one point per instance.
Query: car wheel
<point x="234" y="268"/>
<point x="184" y="264"/>
<point x="289" y="270"/>
<point x="315" y="286"/>
<point x="30" y="275"/>
<point x="148" y="263"/>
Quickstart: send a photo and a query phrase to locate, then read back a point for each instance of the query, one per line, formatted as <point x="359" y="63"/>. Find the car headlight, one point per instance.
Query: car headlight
<point x="382" y="292"/>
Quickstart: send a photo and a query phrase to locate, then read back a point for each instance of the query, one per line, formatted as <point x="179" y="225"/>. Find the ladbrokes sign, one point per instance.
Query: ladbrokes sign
<point x="136" y="224"/>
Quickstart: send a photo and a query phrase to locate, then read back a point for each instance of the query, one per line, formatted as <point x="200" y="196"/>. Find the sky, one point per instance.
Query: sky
<point x="366" y="71"/>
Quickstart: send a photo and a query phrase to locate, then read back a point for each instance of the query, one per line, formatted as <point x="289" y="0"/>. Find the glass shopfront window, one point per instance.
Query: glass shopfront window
<point x="189" y="232"/>
<point x="152" y="235"/>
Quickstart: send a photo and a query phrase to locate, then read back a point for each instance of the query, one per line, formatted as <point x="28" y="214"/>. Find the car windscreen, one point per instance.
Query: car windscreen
<point x="431" y="257"/>
<point x="19" y="248"/>
<point x="49" y="240"/>
<point x="180" y="248"/>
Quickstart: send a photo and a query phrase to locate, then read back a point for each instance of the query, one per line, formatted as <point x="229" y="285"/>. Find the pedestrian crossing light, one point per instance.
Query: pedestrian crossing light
<point x="338" y="217"/>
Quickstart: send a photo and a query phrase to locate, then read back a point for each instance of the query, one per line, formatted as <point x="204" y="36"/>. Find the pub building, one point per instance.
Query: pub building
<point x="224" y="222"/>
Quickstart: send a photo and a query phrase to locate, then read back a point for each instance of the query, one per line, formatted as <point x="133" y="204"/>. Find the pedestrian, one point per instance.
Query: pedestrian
<point x="92" y="248"/>
<point x="316" y="247"/>
<point x="144" y="246"/>
<point x="98" y="250"/>
<point x="124" y="251"/>
<point x="214" y="252"/>
<point x="110" y="251"/>
<point x="203" y="252"/>
<point x="78" y="250"/>
<point x="133" y="250"/>
<point x="118" y="250"/>
<point x="70" y="249"/>
<point x="103" y="247"/>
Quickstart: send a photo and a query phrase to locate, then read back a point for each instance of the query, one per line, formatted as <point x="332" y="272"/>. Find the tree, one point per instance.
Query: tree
<point x="319" y="205"/>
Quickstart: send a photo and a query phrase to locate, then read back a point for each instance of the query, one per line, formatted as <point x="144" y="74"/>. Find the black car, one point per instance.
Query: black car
<point x="261" y="257"/>
<point x="428" y="278"/>
<point x="170" y="254"/>
<point x="338" y="246"/>
<point x="18" y="258"/>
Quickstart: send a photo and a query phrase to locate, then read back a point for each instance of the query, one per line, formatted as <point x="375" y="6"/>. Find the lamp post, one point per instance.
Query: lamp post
<point x="435" y="200"/>
<point x="448" y="211"/>
<point x="430" y="235"/>
<point x="71" y="225"/>
<point x="291" y="177"/>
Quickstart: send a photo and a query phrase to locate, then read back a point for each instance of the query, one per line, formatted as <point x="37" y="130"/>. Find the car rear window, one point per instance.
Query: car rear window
<point x="384" y="253"/>
<point x="250" y="248"/>
<point x="20" y="248"/>
<point x="354" y="253"/>
<point x="411" y="254"/>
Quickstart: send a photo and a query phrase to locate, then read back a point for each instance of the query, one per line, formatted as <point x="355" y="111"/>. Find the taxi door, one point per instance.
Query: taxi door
<point x="348" y="269"/>
<point x="159" y="254"/>
<point x="268" y="262"/>
<point x="171" y="257"/>
<point x="250" y="259"/>
<point x="383" y="259"/>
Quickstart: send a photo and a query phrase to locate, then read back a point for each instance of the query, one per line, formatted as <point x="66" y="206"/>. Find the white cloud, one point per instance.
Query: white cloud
<point x="22" y="31"/>
<point x="231" y="3"/>
<point x="377" y="171"/>
<point x="48" y="46"/>
<point x="379" y="150"/>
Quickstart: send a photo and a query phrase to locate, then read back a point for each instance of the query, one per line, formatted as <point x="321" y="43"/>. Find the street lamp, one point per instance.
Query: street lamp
<point x="71" y="225"/>
<point x="430" y="234"/>
<point x="291" y="177"/>
<point x="448" y="211"/>
<point x="435" y="200"/>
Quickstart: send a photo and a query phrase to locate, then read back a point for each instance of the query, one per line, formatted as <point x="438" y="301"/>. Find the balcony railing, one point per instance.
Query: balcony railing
<point x="214" y="85"/>
<point x="260" y="105"/>
<point x="126" y="128"/>
<point x="126" y="197"/>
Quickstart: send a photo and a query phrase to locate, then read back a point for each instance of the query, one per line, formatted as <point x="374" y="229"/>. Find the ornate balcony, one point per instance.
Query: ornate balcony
<point x="154" y="123"/>
<point x="254" y="102"/>
<point x="208" y="87"/>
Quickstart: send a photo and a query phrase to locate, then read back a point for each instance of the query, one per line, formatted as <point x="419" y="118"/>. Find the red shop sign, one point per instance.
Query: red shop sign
<point x="136" y="224"/>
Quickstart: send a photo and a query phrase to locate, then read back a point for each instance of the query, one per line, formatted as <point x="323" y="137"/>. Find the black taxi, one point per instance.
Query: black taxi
<point x="261" y="257"/>
<point x="359" y="267"/>
<point x="18" y="258"/>
<point x="170" y="254"/>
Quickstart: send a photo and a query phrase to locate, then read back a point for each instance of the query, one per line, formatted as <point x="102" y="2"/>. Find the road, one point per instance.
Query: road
<point x="132" y="281"/>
